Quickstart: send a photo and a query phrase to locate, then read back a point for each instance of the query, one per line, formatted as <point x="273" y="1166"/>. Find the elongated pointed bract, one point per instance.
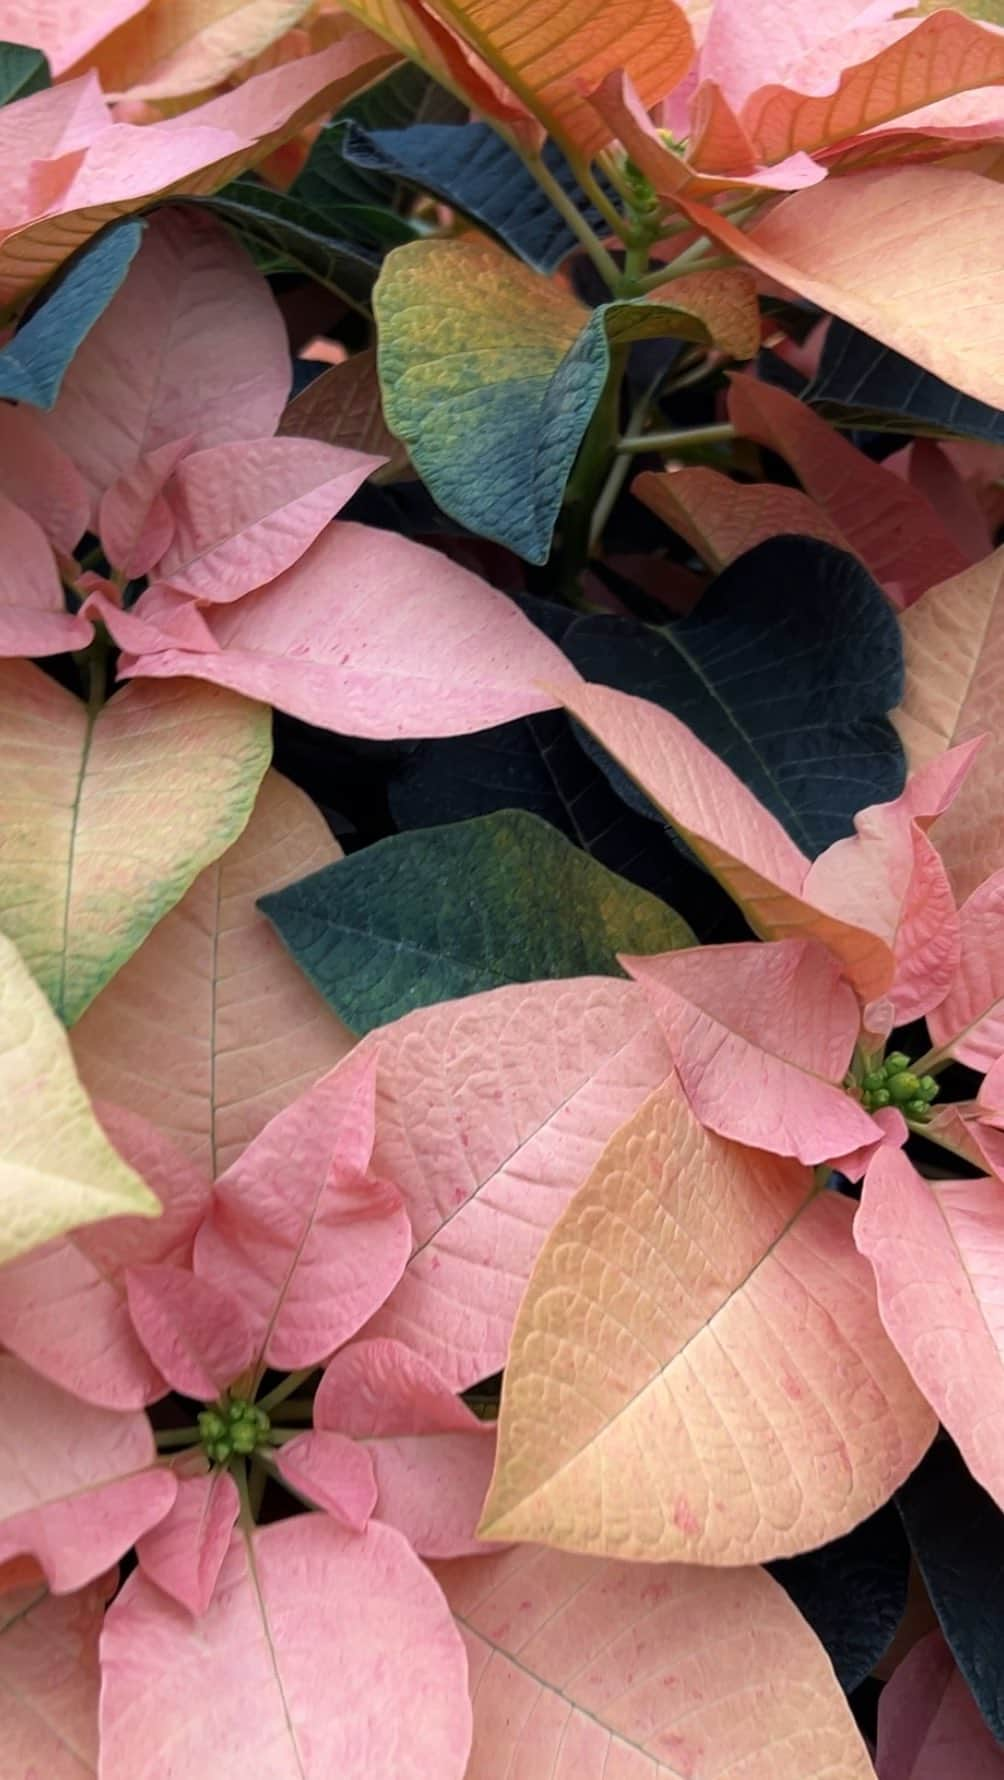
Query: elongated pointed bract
<point x="195" y="1332"/>
<point x="333" y="1472"/>
<point x="937" y="1248"/>
<point x="184" y="1553"/>
<point x="57" y="1168"/>
<point x="698" y="1371"/>
<point x="606" y="1669"/>
<point x="94" y="855"/>
<point x="379" y="1622"/>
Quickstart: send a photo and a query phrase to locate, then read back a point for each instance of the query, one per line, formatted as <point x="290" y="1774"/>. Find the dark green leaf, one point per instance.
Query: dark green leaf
<point x="853" y="1593"/>
<point x="34" y="363"/>
<point x="860" y="380"/>
<point x="289" y="237"/>
<point x="445" y="912"/>
<point x="470" y="167"/>
<point x="394" y="103"/>
<point x="23" y="71"/>
<point x="786" y="668"/>
<point x="957" y="1535"/>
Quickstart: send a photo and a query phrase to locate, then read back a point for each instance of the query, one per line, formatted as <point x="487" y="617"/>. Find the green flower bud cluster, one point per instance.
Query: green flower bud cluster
<point x="235" y="1428"/>
<point x="895" y="1084"/>
<point x="643" y="194"/>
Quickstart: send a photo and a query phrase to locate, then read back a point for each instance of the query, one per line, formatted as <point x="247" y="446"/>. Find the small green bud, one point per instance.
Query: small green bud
<point x="244" y="1438"/>
<point x="895" y="1063"/>
<point x="262" y="1421"/>
<point x="874" y="1080"/>
<point x="881" y="1097"/>
<point x="929" y="1087"/>
<point x="903" y="1086"/>
<point x="219" y="1451"/>
<point x="237" y="1409"/>
<point x="211" y="1425"/>
<point x="918" y="1111"/>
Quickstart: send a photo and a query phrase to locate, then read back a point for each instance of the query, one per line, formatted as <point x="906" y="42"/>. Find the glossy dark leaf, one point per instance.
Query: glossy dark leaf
<point x="23" y="71"/>
<point x="443" y="912"/>
<point x="861" y="379"/>
<point x="286" y="236"/>
<point x="786" y="668"/>
<point x="957" y="1535"/>
<point x="853" y="1593"/>
<point x="470" y="167"/>
<point x="34" y="363"/>
<point x="329" y="178"/>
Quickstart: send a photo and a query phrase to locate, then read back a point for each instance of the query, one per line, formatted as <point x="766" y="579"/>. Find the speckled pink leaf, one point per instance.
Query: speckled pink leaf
<point x="333" y="1472"/>
<point x="431" y="1455"/>
<point x="777" y="1019"/>
<point x="210" y="1029"/>
<point x="63" y="1307"/>
<point x="245" y="1678"/>
<point x="605" y="1671"/>
<point x="221" y="371"/>
<point x="887" y="523"/>
<point x="135" y="522"/>
<point x="49" y="1678"/>
<point x="373" y="635"/>
<point x="194" y="1331"/>
<point x="245" y="512"/>
<point x="737" y="839"/>
<point x="308" y="1239"/>
<point x="491" y="1111"/>
<point x="184" y="1553"/>
<point x="969" y="1022"/>
<point x="78" y="1485"/>
<point x="937" y="1248"/>
<point x="39" y="477"/>
<point x="33" y="615"/>
<point x="929" y="1725"/>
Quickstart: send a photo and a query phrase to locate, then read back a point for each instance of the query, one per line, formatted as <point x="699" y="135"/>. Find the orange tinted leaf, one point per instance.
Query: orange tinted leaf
<point x="698" y="1372"/>
<point x="722" y="518"/>
<point x="343" y="407"/>
<point x="179" y="47"/>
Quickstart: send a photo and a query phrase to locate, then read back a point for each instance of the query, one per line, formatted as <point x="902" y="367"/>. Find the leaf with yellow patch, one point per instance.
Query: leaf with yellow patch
<point x="953" y="645"/>
<point x="107" y="815"/>
<point x="698" y="1372"/>
<point x="491" y="374"/>
<point x="57" y="1167"/>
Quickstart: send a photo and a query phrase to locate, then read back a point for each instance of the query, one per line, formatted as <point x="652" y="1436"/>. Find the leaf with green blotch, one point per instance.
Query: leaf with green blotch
<point x="445" y="912"/>
<point x="22" y="71"/>
<point x="107" y="817"/>
<point x="34" y="363"/>
<point x="491" y="374"/>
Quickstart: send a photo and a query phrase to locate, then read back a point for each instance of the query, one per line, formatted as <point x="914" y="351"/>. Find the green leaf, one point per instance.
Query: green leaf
<point x="285" y="236"/>
<point x="34" y="363"/>
<point x="491" y="374"/>
<point x="405" y="97"/>
<point x="445" y="912"/>
<point x="23" y="71"/>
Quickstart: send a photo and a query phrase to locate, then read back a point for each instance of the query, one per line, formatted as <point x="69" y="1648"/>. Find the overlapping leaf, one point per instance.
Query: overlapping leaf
<point x="33" y="615"/>
<point x="853" y="1592"/>
<point x="501" y="899"/>
<point x="735" y="1397"/>
<point x="480" y="356"/>
<point x="34" y="363"/>
<point x="661" y="1671"/>
<point x="177" y="48"/>
<point x="860" y="376"/>
<point x="342" y="407"/>
<point x="50" y="1679"/>
<point x="722" y="518"/>
<point x="929" y="1723"/>
<point x="57" y="1168"/>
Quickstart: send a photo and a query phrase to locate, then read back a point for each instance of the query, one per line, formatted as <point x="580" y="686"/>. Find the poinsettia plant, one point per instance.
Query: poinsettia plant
<point x="501" y="889"/>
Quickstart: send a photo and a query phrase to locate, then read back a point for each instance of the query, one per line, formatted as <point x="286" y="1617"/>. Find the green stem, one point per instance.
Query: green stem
<point x="618" y="473"/>
<point x="605" y="265"/>
<point x="239" y="1473"/>
<point x="933" y="1062"/>
<point x="256" y="1486"/>
<point x="97" y="671"/>
<point x="690" y="439"/>
<point x="684" y="265"/>
<point x="169" y="1438"/>
<point x="285" y="1389"/>
<point x="298" y="1408"/>
<point x="594" y="191"/>
<point x="587" y="479"/>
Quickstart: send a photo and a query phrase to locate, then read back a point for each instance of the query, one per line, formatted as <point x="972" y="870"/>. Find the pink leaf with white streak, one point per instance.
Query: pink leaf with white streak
<point x="185" y="1552"/>
<point x="246" y="1676"/>
<point x="373" y="635"/>
<point x="431" y="1455"/>
<point x="135" y="522"/>
<point x="969" y="1022"/>
<point x="334" y="1472"/>
<point x="937" y="1249"/>
<point x="780" y="1020"/>
<point x="888" y="524"/>
<point x="245" y="512"/>
<point x="589" y="1670"/>
<point x="63" y="1307"/>
<point x="301" y="1232"/>
<point x="40" y="479"/>
<point x="738" y="840"/>
<point x="78" y="1485"/>
<point x="929" y="1725"/>
<point x="221" y="370"/>
<point x="491" y="1112"/>
<point x="49" y="1678"/>
<point x="195" y="1332"/>
<point x="33" y="615"/>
